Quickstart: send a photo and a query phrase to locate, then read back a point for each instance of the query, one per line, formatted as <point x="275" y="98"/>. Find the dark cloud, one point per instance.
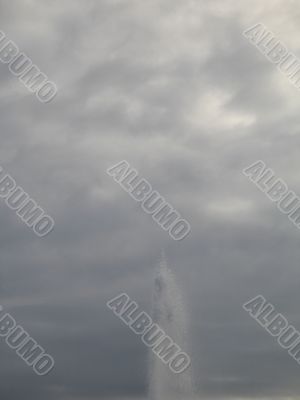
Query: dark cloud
<point x="174" y="88"/>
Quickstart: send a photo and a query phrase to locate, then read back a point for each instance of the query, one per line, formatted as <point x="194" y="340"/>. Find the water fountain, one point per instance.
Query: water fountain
<point x="169" y="314"/>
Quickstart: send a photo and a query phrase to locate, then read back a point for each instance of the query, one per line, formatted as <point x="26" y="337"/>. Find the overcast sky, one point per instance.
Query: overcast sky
<point x="175" y="89"/>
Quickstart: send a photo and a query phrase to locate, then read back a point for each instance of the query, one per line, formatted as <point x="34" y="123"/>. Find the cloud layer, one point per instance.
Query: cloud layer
<point x="174" y="88"/>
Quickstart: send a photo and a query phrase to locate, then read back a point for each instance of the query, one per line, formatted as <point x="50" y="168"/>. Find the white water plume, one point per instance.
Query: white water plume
<point x="169" y="314"/>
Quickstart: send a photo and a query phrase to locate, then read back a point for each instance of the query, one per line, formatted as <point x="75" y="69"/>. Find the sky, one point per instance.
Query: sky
<point x="174" y="88"/>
